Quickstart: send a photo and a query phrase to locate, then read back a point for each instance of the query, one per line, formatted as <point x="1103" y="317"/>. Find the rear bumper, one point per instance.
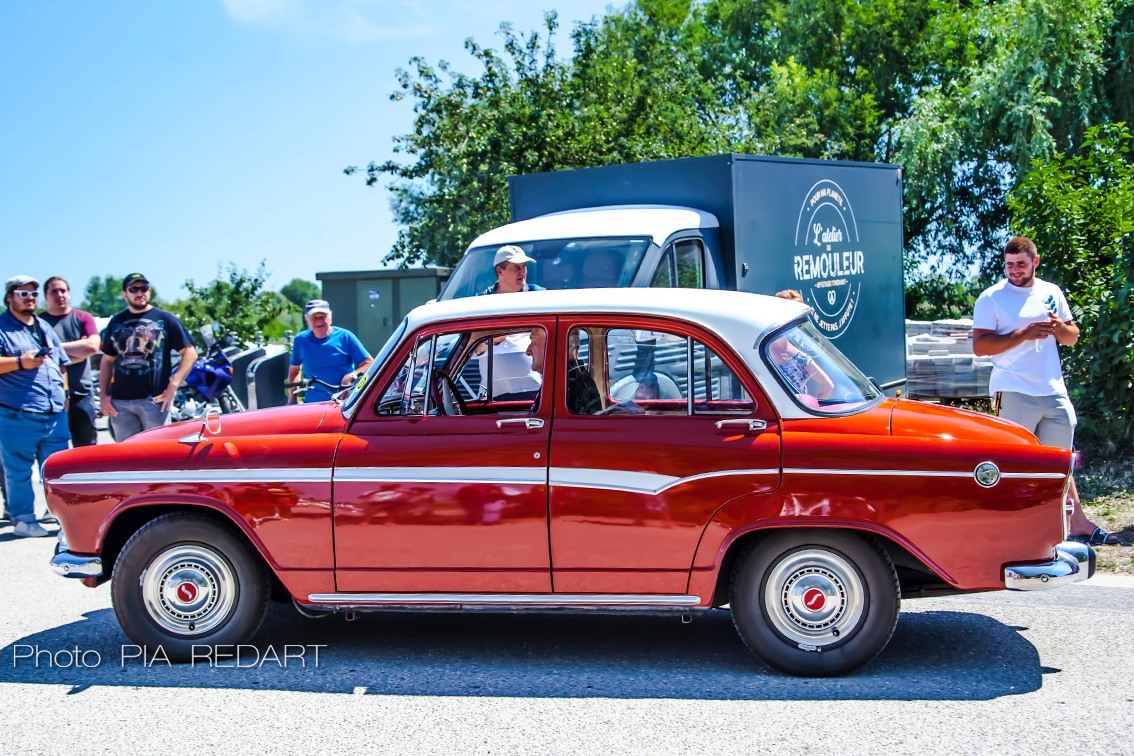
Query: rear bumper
<point x="1073" y="563"/>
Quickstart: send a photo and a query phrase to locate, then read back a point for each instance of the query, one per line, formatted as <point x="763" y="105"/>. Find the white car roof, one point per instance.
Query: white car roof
<point x="655" y="221"/>
<point x="739" y="318"/>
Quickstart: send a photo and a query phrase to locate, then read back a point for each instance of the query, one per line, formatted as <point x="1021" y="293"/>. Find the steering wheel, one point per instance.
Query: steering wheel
<point x="451" y="398"/>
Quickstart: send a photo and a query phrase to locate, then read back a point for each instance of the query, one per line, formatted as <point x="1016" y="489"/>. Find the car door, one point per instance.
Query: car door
<point x="438" y="486"/>
<point x="683" y="429"/>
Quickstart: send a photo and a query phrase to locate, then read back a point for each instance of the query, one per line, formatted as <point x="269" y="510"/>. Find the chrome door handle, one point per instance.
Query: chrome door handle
<point x="531" y="423"/>
<point x="752" y="425"/>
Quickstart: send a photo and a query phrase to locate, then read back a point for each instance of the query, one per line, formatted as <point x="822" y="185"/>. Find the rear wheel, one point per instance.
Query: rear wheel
<point x="815" y="603"/>
<point x="186" y="580"/>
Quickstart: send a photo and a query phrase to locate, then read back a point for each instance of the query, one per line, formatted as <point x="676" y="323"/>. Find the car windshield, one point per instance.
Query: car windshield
<point x="559" y="264"/>
<point x="815" y="373"/>
<point x="358" y="388"/>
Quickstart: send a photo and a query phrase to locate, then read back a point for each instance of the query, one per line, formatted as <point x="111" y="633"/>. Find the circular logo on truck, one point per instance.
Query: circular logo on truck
<point x="829" y="262"/>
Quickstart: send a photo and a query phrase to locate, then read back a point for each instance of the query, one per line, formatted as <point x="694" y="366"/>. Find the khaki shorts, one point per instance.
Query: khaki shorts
<point x="1051" y="418"/>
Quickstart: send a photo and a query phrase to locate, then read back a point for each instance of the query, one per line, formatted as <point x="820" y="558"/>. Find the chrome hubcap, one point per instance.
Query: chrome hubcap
<point x="814" y="597"/>
<point x="189" y="589"/>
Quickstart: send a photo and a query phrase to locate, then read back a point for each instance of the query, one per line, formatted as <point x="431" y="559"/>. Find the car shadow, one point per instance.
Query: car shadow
<point x="939" y="655"/>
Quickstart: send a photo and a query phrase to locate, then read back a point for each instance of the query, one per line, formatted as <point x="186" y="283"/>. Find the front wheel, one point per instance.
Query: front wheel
<point x="815" y="603"/>
<point x="184" y="581"/>
<point x="228" y="402"/>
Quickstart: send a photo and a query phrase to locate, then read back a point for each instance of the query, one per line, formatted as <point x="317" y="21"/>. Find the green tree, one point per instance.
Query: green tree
<point x="300" y="292"/>
<point x="238" y="302"/>
<point x="1077" y="209"/>
<point x="102" y="295"/>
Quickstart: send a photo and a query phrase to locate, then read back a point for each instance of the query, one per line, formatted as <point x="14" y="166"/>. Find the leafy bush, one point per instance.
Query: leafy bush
<point x="1077" y="209"/>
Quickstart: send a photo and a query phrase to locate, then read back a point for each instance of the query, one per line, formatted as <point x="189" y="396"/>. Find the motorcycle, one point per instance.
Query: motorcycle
<point x="209" y="382"/>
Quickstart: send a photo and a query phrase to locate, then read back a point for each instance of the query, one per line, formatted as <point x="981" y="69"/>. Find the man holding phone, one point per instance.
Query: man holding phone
<point x="33" y="399"/>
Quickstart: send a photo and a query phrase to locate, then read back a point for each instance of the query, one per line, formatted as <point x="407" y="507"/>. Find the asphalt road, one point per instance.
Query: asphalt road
<point x="990" y="673"/>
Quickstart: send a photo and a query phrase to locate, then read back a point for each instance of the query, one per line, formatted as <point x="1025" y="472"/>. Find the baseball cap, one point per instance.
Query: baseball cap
<point x="510" y="253"/>
<point x="317" y="305"/>
<point x="133" y="278"/>
<point x="15" y="281"/>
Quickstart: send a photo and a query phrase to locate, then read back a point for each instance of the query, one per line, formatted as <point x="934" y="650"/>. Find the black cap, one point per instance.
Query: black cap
<point x="133" y="278"/>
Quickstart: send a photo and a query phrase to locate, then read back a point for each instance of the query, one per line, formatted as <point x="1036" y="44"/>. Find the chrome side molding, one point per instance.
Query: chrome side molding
<point x="505" y="600"/>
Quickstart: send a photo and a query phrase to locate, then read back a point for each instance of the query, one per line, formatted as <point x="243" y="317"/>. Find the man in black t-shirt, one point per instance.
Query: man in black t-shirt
<point x="135" y="378"/>
<point x="79" y="334"/>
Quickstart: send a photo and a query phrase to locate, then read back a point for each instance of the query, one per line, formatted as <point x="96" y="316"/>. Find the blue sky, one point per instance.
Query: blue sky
<point x="171" y="137"/>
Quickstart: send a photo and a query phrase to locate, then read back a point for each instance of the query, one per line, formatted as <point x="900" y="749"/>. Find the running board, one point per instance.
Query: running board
<point x="502" y="601"/>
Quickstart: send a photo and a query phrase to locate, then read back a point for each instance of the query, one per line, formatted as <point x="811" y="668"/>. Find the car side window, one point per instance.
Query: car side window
<point x="660" y="373"/>
<point x="682" y="265"/>
<point x="467" y="373"/>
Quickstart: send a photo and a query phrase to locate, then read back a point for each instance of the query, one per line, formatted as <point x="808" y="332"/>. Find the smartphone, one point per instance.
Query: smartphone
<point x="43" y="351"/>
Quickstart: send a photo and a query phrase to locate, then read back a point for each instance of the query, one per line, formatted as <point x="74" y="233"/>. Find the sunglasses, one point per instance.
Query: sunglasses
<point x="137" y="289"/>
<point x="25" y="294"/>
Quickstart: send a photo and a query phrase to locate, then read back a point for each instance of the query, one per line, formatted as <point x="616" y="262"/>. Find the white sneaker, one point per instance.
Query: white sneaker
<point x="29" y="530"/>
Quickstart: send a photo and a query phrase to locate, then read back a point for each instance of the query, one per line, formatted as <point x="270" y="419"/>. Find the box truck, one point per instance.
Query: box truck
<point x="831" y="230"/>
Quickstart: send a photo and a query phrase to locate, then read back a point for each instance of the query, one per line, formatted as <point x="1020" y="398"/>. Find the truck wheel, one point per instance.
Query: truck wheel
<point x="185" y="580"/>
<point x="815" y="603"/>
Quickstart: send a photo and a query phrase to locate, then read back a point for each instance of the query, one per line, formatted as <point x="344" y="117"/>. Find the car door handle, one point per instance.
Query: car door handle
<point x="531" y="423"/>
<point x="752" y="425"/>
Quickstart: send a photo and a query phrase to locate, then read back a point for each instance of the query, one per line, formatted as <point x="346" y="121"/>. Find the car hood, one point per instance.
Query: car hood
<point x="922" y="420"/>
<point x="318" y="417"/>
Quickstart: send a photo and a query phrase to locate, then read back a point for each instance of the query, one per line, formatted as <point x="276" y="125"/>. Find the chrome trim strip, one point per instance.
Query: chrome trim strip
<point x="503" y="599"/>
<point x="918" y="473"/>
<point x="635" y="482"/>
<point x="246" y="475"/>
<point x="498" y="475"/>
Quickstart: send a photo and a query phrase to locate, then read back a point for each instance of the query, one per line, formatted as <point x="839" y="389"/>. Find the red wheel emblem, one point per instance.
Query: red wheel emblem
<point x="814" y="599"/>
<point x="186" y="592"/>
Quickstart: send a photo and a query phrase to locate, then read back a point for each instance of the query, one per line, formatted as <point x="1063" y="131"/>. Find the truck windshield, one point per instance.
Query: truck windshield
<point x="559" y="264"/>
<point x="815" y="373"/>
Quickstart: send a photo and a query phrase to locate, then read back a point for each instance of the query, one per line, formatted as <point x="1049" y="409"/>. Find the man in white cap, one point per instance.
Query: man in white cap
<point x="513" y="377"/>
<point x="33" y="399"/>
<point x="327" y="352"/>
<point x="511" y="265"/>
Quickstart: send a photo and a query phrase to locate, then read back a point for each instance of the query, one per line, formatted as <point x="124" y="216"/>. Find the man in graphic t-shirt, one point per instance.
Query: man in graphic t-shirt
<point x="79" y="334"/>
<point x="1021" y="322"/>
<point x="327" y="352"/>
<point x="135" y="377"/>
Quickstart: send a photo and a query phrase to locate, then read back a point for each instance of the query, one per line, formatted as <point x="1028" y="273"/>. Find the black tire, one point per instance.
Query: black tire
<point x="226" y="586"/>
<point x="815" y="603"/>
<point x="229" y="403"/>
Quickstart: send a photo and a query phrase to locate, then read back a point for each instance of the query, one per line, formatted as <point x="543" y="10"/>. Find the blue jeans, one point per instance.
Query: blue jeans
<point x="27" y="439"/>
<point x="135" y="416"/>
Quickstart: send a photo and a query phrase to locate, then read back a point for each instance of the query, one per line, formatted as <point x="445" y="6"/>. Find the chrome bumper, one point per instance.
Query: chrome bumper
<point x="1073" y="563"/>
<point x="73" y="566"/>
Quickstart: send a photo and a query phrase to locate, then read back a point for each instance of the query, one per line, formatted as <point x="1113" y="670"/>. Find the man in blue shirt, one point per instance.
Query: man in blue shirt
<point x="323" y="351"/>
<point x="33" y="399"/>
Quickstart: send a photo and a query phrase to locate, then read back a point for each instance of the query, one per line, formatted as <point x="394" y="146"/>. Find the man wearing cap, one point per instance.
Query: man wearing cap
<point x="511" y="265"/>
<point x="33" y="399"/>
<point x="136" y="377"/>
<point x="327" y="352"/>
<point x="511" y="380"/>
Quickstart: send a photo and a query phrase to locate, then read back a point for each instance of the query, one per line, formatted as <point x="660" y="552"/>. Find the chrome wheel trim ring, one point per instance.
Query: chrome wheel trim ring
<point x="189" y="589"/>
<point x="814" y="598"/>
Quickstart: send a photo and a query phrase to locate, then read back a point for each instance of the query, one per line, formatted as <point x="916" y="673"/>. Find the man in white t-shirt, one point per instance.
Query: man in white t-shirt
<point x="1020" y="322"/>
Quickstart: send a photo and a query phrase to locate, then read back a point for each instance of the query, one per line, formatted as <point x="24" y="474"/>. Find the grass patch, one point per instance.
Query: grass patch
<point x="1106" y="488"/>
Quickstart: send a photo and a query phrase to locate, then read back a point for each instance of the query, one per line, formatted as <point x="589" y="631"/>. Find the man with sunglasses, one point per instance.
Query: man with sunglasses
<point x="33" y="399"/>
<point x="136" y="379"/>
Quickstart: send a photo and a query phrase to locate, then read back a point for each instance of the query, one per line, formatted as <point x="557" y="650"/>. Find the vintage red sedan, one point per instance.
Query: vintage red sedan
<point x="661" y="451"/>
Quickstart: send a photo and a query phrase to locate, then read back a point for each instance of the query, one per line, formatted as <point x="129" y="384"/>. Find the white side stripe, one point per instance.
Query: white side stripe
<point x="917" y="473"/>
<point x="255" y="475"/>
